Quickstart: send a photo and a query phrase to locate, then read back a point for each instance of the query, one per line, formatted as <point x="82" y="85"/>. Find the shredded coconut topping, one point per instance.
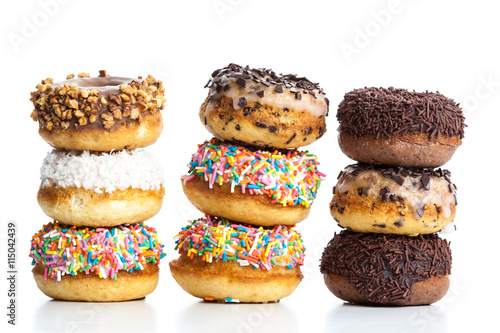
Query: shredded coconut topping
<point x="102" y="172"/>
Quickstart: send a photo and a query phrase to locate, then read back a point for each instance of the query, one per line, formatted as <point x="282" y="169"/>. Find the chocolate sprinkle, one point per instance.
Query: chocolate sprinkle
<point x="241" y="82"/>
<point x="397" y="174"/>
<point x="387" y="112"/>
<point x="242" y="102"/>
<point x="266" y="77"/>
<point x="385" y="267"/>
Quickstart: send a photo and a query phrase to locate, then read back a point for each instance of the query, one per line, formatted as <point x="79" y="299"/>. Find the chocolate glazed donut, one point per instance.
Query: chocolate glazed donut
<point x="398" y="127"/>
<point x="387" y="269"/>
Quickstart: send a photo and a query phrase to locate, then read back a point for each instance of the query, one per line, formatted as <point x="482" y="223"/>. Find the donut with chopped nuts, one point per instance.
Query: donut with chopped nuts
<point x="399" y="127"/>
<point x="393" y="200"/>
<point x="250" y="185"/>
<point x="387" y="270"/>
<point x="224" y="261"/>
<point x="261" y="108"/>
<point x="96" y="264"/>
<point x="100" y="189"/>
<point x="101" y="113"/>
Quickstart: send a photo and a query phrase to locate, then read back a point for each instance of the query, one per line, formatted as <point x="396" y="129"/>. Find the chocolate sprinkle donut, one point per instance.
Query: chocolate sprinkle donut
<point x="386" y="112"/>
<point x="384" y="267"/>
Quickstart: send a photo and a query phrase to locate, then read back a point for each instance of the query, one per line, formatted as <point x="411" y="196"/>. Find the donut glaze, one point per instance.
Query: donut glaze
<point x="261" y="108"/>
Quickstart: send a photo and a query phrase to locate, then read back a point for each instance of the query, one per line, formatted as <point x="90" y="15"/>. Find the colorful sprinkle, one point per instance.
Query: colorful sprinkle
<point x="290" y="178"/>
<point x="102" y="251"/>
<point x="213" y="238"/>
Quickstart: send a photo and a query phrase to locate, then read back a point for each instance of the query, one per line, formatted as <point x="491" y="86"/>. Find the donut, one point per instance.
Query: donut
<point x="226" y="262"/>
<point x="393" y="200"/>
<point x="261" y="108"/>
<point x="398" y="127"/>
<point x="250" y="185"/>
<point x="100" y="189"/>
<point x="391" y="270"/>
<point x="101" y="113"/>
<point x="96" y="265"/>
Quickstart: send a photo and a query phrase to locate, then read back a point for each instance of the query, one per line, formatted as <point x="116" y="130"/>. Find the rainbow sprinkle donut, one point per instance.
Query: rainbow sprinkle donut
<point x="221" y="260"/>
<point x="277" y="187"/>
<point x="111" y="260"/>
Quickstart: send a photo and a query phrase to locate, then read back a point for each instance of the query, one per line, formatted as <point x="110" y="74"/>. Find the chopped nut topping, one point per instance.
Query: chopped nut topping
<point x="73" y="103"/>
<point x="69" y="107"/>
<point x="134" y="114"/>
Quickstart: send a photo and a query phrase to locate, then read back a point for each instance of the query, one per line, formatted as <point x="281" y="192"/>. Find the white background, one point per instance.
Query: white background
<point x="448" y="46"/>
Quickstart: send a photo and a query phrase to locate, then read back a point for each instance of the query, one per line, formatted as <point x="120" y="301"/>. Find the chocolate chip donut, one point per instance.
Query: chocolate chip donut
<point x="397" y="200"/>
<point x="261" y="108"/>
<point x="398" y="127"/>
<point x="101" y="113"/>
<point x="389" y="270"/>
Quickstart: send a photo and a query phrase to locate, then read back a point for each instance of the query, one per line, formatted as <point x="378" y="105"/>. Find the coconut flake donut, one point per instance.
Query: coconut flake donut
<point x="393" y="200"/>
<point x="398" y="127"/>
<point x="96" y="265"/>
<point x="226" y="262"/>
<point x="390" y="270"/>
<point x="261" y="108"/>
<point x="101" y="113"/>
<point x="100" y="189"/>
<point x="251" y="185"/>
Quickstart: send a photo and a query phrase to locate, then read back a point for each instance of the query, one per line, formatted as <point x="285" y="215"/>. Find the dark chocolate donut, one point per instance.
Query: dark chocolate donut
<point x="399" y="127"/>
<point x="389" y="269"/>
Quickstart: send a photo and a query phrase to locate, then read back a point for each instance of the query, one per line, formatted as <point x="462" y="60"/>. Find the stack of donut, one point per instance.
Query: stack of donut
<point x="394" y="200"/>
<point x="98" y="187"/>
<point x="253" y="184"/>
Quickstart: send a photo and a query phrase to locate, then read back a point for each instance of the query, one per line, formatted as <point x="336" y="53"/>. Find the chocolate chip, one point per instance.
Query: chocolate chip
<point x="298" y="95"/>
<point x="380" y="225"/>
<point x="241" y="82"/>
<point x="420" y="212"/>
<point x="278" y="88"/>
<point x="227" y="87"/>
<point x="273" y="129"/>
<point x="291" y="138"/>
<point x="261" y="125"/>
<point x="426" y="181"/>
<point x="260" y="93"/>
<point x="398" y="179"/>
<point x="384" y="193"/>
<point x="242" y="102"/>
<point x="399" y="223"/>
